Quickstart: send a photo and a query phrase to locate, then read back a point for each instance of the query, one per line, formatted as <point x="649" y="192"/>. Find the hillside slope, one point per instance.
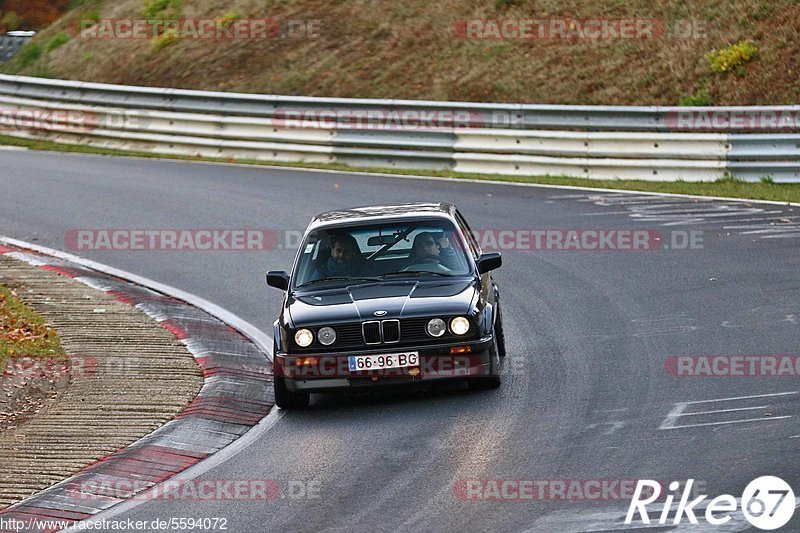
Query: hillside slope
<point x="31" y="14"/>
<point x="444" y="51"/>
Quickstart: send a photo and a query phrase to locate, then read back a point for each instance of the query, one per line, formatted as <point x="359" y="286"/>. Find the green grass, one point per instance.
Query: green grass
<point x="29" y="54"/>
<point x="161" y="8"/>
<point x="700" y="98"/>
<point x="56" y="41"/>
<point x="165" y="39"/>
<point x="92" y="15"/>
<point x="23" y="332"/>
<point x="726" y="187"/>
<point x="228" y="17"/>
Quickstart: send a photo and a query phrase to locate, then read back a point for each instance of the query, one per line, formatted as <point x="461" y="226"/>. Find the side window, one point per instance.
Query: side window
<point x="467" y="231"/>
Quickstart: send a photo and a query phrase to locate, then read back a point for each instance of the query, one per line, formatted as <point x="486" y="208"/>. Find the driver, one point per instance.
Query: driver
<point x="345" y="260"/>
<point x="426" y="249"/>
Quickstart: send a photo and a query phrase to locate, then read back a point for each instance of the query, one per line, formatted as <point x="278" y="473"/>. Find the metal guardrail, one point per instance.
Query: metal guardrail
<point x="650" y="143"/>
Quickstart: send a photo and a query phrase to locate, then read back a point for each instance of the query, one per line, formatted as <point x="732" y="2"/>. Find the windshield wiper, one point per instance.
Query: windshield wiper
<point x="416" y="273"/>
<point x="339" y="278"/>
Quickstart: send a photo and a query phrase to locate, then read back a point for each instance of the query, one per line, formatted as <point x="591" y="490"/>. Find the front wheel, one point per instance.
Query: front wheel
<point x="492" y="381"/>
<point x="286" y="399"/>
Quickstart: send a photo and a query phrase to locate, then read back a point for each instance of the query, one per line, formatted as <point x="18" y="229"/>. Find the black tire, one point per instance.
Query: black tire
<point x="286" y="399"/>
<point x="498" y="328"/>
<point x="492" y="381"/>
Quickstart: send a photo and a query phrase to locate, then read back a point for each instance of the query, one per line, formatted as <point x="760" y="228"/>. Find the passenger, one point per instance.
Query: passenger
<point x="427" y="250"/>
<point x="345" y="260"/>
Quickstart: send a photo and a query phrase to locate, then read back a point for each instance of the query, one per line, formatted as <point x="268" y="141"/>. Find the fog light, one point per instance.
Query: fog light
<point x="436" y="327"/>
<point x="303" y="338"/>
<point x="327" y="336"/>
<point x="459" y="325"/>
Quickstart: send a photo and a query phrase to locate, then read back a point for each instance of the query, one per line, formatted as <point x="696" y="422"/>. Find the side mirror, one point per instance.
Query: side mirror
<point x="488" y="262"/>
<point x="278" y="279"/>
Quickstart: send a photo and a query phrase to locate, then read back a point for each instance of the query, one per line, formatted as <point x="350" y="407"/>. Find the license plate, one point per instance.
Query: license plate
<point x="359" y="363"/>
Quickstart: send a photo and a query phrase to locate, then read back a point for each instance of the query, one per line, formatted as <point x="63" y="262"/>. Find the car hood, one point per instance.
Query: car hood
<point x="401" y="299"/>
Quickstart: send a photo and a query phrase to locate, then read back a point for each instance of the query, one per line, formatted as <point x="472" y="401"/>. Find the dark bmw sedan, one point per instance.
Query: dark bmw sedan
<point x="387" y="295"/>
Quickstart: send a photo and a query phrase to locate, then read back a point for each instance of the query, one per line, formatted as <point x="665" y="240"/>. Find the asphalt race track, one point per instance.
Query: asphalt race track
<point x="586" y="394"/>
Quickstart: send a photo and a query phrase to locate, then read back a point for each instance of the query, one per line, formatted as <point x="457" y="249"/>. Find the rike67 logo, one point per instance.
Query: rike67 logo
<point x="767" y="503"/>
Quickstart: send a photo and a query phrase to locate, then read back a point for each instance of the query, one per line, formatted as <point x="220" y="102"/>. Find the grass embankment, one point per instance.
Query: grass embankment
<point x="729" y="188"/>
<point x="23" y="332"/>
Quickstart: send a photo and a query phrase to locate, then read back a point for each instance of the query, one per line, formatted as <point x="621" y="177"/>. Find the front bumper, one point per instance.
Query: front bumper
<point x="329" y="371"/>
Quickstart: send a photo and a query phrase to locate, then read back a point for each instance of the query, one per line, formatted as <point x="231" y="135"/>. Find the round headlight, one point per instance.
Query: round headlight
<point x="436" y="327"/>
<point x="327" y="336"/>
<point x="459" y="325"/>
<point x="303" y="338"/>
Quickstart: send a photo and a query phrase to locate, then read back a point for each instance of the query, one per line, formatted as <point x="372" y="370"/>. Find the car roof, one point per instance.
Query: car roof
<point x="377" y="213"/>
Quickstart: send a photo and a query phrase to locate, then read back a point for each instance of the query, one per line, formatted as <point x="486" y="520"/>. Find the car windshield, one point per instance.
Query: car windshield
<point x="427" y="248"/>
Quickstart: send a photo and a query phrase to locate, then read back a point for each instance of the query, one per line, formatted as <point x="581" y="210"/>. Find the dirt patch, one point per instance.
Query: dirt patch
<point x="24" y="396"/>
<point x="33" y="366"/>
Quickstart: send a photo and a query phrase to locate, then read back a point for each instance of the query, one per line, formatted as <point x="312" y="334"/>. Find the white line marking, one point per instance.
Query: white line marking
<point x="672" y="417"/>
<point x="744" y="397"/>
<point x="612" y="426"/>
<point x="757" y="226"/>
<point x="694" y="209"/>
<point x="768" y="230"/>
<point x="766" y="419"/>
<point x="792" y="235"/>
<point x="726" y="410"/>
<point x="679" y="410"/>
<point x="711" y="214"/>
<point x="760" y="225"/>
<point x="606" y="213"/>
<point x="677" y="318"/>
